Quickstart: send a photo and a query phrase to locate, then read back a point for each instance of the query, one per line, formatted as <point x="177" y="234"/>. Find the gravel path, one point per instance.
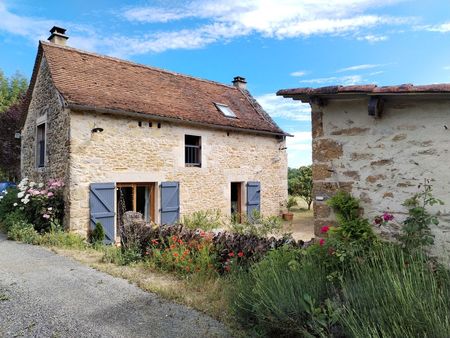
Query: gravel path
<point x="46" y="295"/>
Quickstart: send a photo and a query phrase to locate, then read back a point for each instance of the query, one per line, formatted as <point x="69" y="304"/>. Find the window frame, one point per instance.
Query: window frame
<point x="219" y="107"/>
<point x="38" y="145"/>
<point x="197" y="147"/>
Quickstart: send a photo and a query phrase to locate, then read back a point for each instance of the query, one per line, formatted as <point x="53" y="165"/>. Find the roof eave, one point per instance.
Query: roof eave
<point x="87" y="108"/>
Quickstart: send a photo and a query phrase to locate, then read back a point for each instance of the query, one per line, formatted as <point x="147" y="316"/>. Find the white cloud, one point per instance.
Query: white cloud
<point x="269" y="18"/>
<point x="373" y="38"/>
<point x="442" y="28"/>
<point x="298" y="73"/>
<point x="357" y="67"/>
<point x="299" y="149"/>
<point x="279" y="107"/>
<point x="215" y="20"/>
<point x="446" y="68"/>
<point x="31" y="28"/>
<point x="341" y="80"/>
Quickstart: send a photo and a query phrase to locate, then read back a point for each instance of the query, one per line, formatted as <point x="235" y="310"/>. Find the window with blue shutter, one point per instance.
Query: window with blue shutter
<point x="101" y="204"/>
<point x="253" y="198"/>
<point x="170" y="202"/>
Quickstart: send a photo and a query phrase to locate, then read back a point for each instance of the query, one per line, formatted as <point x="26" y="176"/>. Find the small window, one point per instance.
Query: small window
<point x="225" y="110"/>
<point x="192" y="151"/>
<point x="40" y="145"/>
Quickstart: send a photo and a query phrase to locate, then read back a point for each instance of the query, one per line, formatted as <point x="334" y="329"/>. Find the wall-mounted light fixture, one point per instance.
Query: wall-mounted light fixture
<point x="282" y="148"/>
<point x="97" y="129"/>
<point x="17" y="135"/>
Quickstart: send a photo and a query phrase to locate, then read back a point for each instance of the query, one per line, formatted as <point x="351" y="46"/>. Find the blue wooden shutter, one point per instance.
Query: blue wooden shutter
<point x="101" y="204"/>
<point x="170" y="202"/>
<point x="253" y="198"/>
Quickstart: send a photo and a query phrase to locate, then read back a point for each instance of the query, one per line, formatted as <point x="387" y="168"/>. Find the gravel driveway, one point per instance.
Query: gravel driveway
<point x="46" y="295"/>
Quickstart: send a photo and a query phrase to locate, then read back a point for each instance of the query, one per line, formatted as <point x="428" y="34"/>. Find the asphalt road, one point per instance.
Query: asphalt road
<point x="46" y="295"/>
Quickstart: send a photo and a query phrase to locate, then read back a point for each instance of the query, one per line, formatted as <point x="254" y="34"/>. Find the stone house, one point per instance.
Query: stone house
<point x="380" y="143"/>
<point x="124" y="136"/>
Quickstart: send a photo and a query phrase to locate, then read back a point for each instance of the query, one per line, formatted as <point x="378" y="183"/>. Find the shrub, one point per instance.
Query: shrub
<point x="284" y="295"/>
<point x="7" y="202"/>
<point x="205" y="220"/>
<point x="13" y="217"/>
<point x="135" y="235"/>
<point x="23" y="232"/>
<point x="97" y="235"/>
<point x="416" y="231"/>
<point x="395" y="294"/>
<point x="256" y="225"/>
<point x="59" y="238"/>
<point x="195" y="255"/>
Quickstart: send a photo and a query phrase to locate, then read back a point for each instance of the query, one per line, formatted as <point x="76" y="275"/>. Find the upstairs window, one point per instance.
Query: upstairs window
<point x="40" y="146"/>
<point x="192" y="151"/>
<point x="225" y="110"/>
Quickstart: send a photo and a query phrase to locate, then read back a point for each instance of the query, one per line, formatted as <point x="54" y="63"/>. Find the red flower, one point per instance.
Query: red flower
<point x="325" y="229"/>
<point x="388" y="217"/>
<point x="240" y="254"/>
<point x="321" y="242"/>
<point x="154" y="241"/>
<point x="231" y="254"/>
<point x="175" y="254"/>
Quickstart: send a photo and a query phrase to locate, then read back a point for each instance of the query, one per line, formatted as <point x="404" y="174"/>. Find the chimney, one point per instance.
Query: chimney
<point x="240" y="82"/>
<point x="58" y="36"/>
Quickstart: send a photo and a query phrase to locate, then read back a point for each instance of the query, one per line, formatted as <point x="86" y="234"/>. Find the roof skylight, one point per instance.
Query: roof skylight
<point x="225" y="110"/>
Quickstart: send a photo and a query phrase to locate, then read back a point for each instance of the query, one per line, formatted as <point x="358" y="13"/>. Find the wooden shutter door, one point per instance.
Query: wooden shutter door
<point x="101" y="204"/>
<point x="253" y="198"/>
<point x="170" y="202"/>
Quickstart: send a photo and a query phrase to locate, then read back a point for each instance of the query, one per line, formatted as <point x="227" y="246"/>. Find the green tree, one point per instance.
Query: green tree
<point x="300" y="183"/>
<point x="11" y="89"/>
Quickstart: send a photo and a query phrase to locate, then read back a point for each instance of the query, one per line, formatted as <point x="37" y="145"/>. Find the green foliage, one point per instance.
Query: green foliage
<point x="284" y="295"/>
<point x="97" y="235"/>
<point x="291" y="202"/>
<point x="62" y="239"/>
<point x="391" y="293"/>
<point x="416" y="227"/>
<point x="205" y="220"/>
<point x="115" y="255"/>
<point x="256" y="225"/>
<point x="7" y="203"/>
<point x="300" y="183"/>
<point x="11" y="89"/>
<point x="23" y="232"/>
<point x="345" y="206"/>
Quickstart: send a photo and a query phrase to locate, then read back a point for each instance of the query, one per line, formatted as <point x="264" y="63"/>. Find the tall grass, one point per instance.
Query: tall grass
<point x="395" y="294"/>
<point x="281" y="295"/>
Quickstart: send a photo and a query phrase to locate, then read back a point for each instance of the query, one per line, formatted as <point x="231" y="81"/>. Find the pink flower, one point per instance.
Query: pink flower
<point x="321" y="242"/>
<point x="325" y="229"/>
<point x="388" y="217"/>
<point x="46" y="216"/>
<point x="50" y="194"/>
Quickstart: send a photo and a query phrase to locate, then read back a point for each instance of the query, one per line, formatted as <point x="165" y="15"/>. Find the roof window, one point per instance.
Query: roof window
<point x="225" y="110"/>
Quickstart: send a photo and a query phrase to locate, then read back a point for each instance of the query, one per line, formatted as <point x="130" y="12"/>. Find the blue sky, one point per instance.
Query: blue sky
<point x="273" y="43"/>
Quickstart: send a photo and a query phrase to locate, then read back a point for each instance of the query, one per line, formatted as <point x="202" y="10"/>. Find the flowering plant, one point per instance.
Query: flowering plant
<point x="42" y="204"/>
<point x="184" y="257"/>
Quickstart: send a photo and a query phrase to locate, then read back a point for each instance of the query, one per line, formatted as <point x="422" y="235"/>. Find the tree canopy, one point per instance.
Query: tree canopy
<point x="300" y="183"/>
<point x="11" y="89"/>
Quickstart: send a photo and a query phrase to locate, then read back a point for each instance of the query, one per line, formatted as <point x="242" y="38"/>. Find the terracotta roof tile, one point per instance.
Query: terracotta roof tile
<point x="305" y="93"/>
<point x="102" y="82"/>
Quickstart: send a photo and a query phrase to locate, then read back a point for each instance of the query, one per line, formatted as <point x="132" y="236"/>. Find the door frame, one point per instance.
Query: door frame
<point x="152" y="192"/>
<point x="239" y="199"/>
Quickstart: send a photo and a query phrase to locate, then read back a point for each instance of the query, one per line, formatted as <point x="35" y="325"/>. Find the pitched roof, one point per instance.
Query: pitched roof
<point x="305" y="94"/>
<point x="99" y="82"/>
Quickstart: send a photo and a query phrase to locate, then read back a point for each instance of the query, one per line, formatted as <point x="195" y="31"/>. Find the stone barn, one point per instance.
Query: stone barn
<point x="380" y="144"/>
<point x="127" y="137"/>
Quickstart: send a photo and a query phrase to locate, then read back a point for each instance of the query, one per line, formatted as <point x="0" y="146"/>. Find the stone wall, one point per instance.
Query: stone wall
<point x="382" y="161"/>
<point x="125" y="152"/>
<point x="46" y="105"/>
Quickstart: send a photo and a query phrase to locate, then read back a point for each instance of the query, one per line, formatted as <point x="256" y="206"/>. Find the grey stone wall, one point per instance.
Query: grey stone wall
<point x="46" y="101"/>
<point x="382" y="161"/>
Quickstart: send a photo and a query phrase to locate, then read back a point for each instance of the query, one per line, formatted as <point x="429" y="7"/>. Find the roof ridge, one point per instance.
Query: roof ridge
<point x="135" y="64"/>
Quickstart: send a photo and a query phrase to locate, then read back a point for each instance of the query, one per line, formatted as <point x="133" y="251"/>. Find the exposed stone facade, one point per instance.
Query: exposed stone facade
<point x="382" y="161"/>
<point x="46" y="106"/>
<point x="125" y="152"/>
